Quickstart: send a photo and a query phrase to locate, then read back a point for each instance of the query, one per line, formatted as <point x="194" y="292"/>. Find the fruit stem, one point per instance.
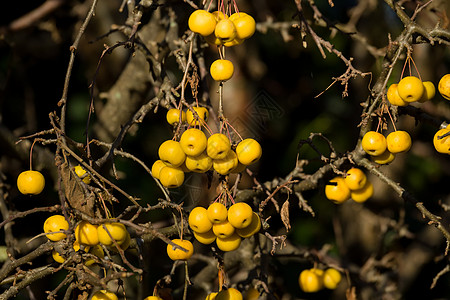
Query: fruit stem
<point x="392" y="120"/>
<point x="31" y="155"/>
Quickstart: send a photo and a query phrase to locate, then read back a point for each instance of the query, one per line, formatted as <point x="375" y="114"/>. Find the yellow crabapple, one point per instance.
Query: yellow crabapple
<point x="363" y="194"/>
<point x="310" y="281"/>
<point x="193" y="142"/>
<point x="86" y="233"/>
<point x="178" y="254"/>
<point x="198" y="220"/>
<point x="223" y="229"/>
<point x="229" y="243"/>
<point x="252" y="228"/>
<point x="221" y="70"/>
<point x="337" y="191"/>
<point x="217" y="212"/>
<point x="429" y="93"/>
<point x="229" y="294"/>
<point x="240" y="215"/>
<point x="410" y="88"/>
<point x="393" y="96"/>
<point x="202" y="22"/>
<point x="56" y="223"/>
<point x="245" y="25"/>
<point x="218" y="146"/>
<point x="211" y="296"/>
<point x="97" y="251"/>
<point x="383" y="159"/>
<point x="202" y="113"/>
<point x="171" y="177"/>
<point x="355" y="179"/>
<point x="225" y="30"/>
<point x="199" y="164"/>
<point x="156" y="168"/>
<point x="57" y="257"/>
<point x="226" y="165"/>
<point x="442" y="145"/>
<point x="398" y="141"/>
<point x="117" y="231"/>
<point x="171" y="153"/>
<point x="85" y="177"/>
<point x="248" y="151"/>
<point x="205" y="238"/>
<point x="104" y="295"/>
<point x="444" y="86"/>
<point x="374" y="143"/>
<point x="173" y="116"/>
<point x="30" y="182"/>
<point x="331" y="278"/>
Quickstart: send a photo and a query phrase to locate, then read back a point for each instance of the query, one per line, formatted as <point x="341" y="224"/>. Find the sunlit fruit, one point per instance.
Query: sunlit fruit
<point x="374" y="143"/>
<point x="229" y="294"/>
<point x="104" y="295"/>
<point x="393" y="96"/>
<point x="217" y="212"/>
<point x="156" y="168"/>
<point x="310" y="281"/>
<point x="53" y="224"/>
<point x="199" y="164"/>
<point x="444" y="86"/>
<point x="355" y="178"/>
<point x="57" y="257"/>
<point x="85" y="177"/>
<point x="331" y="278"/>
<point x="226" y="165"/>
<point x="211" y="296"/>
<point x="198" y="220"/>
<point x="114" y="230"/>
<point x="410" y="88"/>
<point x="442" y="144"/>
<point x="430" y="91"/>
<point x="240" y="215"/>
<point x="173" y="116"/>
<point x="178" y="254"/>
<point x="363" y="194"/>
<point x="223" y="229"/>
<point x="337" y="191"/>
<point x="218" y="146"/>
<point x="229" y="243"/>
<point x="398" y="141"/>
<point x="171" y="177"/>
<point x="171" y="153"/>
<point x="250" y="230"/>
<point x="206" y="237"/>
<point x="248" y="151"/>
<point x="221" y="70"/>
<point x="245" y="25"/>
<point x="225" y="30"/>
<point x="86" y="234"/>
<point x="383" y="159"/>
<point x="30" y="182"/>
<point x="202" y="22"/>
<point x="202" y="113"/>
<point x="193" y="142"/>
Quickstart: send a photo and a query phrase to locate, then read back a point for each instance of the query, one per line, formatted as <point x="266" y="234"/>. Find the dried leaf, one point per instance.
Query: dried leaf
<point x="285" y="215"/>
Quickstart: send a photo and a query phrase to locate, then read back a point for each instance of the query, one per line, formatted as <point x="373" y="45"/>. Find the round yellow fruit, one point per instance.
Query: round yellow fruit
<point x="173" y="116"/>
<point x="211" y="296"/>
<point x="337" y="192"/>
<point x="229" y="294"/>
<point x="430" y="91"/>
<point x="218" y="146"/>
<point x="310" y="281"/>
<point x="240" y="215"/>
<point x="393" y="96"/>
<point x="226" y="165"/>
<point x="251" y="229"/>
<point x="222" y="70"/>
<point x="398" y="141"/>
<point x="245" y="25"/>
<point x="205" y="238"/>
<point x="171" y="177"/>
<point x="202" y="22"/>
<point x="171" y="153"/>
<point x="444" y="86"/>
<point x="410" y="89"/>
<point x="248" y="151"/>
<point x="331" y="278"/>
<point x="363" y="194"/>
<point x="157" y="167"/>
<point x="193" y="142"/>
<point x="355" y="179"/>
<point x="86" y="234"/>
<point x="383" y="159"/>
<point x="217" y="212"/>
<point x="30" y="182"/>
<point x="117" y="231"/>
<point x="229" y="243"/>
<point x="223" y="230"/>
<point x="374" y="143"/>
<point x="442" y="145"/>
<point x="53" y="224"/>
<point x="225" y="30"/>
<point x="104" y="295"/>
<point x="178" y="254"/>
<point x="199" y="164"/>
<point x="198" y="220"/>
<point x="202" y="113"/>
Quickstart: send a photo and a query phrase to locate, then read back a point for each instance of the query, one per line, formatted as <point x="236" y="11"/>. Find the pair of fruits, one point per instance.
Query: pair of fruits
<point x="226" y="294"/>
<point x="410" y="89"/>
<point x="173" y="116"/>
<point x="355" y="185"/>
<point x="314" y="279"/>
<point x="220" y="29"/>
<point x="91" y="235"/>
<point x="383" y="149"/>
<point x="226" y="227"/>
<point x="196" y="153"/>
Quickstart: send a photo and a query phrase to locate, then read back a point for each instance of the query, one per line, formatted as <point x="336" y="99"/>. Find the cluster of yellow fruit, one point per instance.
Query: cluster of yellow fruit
<point x="88" y="235"/>
<point x="410" y="89"/>
<point x="355" y="185"/>
<point x="225" y="226"/>
<point x="222" y="30"/>
<point x="314" y="279"/>
<point x="196" y="153"/>
<point x="226" y="294"/>
<point x="383" y="149"/>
